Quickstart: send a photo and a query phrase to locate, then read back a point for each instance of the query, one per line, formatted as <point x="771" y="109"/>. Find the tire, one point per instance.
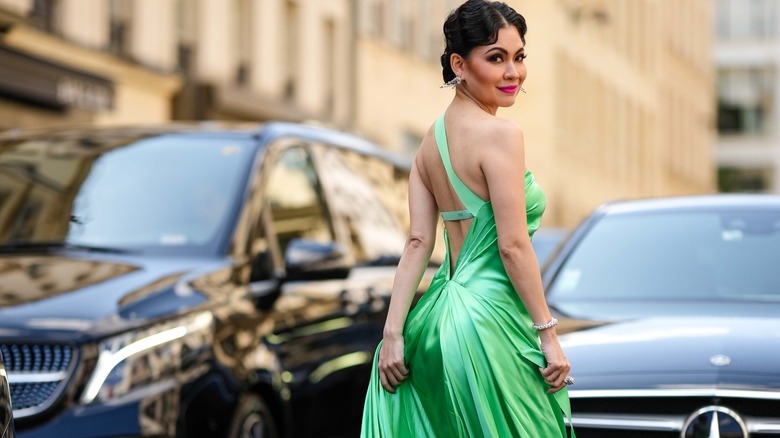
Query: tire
<point x="252" y="419"/>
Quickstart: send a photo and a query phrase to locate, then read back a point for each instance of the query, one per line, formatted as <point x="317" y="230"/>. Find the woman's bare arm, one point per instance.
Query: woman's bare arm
<point x="414" y="260"/>
<point x="504" y="170"/>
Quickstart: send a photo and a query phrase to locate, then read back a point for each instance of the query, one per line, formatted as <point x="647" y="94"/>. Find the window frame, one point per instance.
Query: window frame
<point x="274" y="151"/>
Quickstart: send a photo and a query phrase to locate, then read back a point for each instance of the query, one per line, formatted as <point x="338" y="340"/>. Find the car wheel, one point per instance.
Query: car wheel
<point x="253" y="419"/>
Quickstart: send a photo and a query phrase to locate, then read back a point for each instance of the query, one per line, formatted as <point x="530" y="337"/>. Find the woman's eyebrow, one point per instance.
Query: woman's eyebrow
<point x="500" y="49"/>
<point x="503" y="50"/>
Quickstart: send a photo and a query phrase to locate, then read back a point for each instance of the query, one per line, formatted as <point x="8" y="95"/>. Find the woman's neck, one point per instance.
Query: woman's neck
<point x="463" y="95"/>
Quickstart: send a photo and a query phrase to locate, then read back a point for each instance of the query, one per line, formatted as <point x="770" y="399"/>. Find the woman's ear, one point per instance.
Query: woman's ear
<point x="458" y="64"/>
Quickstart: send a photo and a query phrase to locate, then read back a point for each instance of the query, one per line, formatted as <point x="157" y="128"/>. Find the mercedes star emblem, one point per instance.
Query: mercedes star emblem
<point x="720" y="360"/>
<point x="714" y="422"/>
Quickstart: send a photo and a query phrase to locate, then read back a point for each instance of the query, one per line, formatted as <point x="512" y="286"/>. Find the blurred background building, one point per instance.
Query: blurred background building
<point x="747" y="55"/>
<point x="64" y="62"/>
<point x="620" y="99"/>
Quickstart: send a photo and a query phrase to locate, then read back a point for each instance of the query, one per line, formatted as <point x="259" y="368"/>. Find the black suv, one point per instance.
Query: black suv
<point x="194" y="280"/>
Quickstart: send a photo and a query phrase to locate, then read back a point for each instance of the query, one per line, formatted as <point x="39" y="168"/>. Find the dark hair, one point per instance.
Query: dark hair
<point x="476" y="23"/>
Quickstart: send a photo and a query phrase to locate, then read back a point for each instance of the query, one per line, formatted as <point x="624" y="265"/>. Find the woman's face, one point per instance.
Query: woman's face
<point x="494" y="73"/>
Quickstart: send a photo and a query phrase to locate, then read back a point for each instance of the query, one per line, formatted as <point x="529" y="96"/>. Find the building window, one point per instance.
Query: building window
<point x="408" y="37"/>
<point x="722" y="18"/>
<point x="764" y="17"/>
<point x="243" y="41"/>
<point x="43" y="15"/>
<point x="422" y="24"/>
<point x="329" y="69"/>
<point x="368" y="12"/>
<point x="394" y="25"/>
<point x="186" y="34"/>
<point x="378" y="18"/>
<point x="291" y="48"/>
<point x="735" y="179"/>
<point x="119" y="27"/>
<point x="743" y="19"/>
<point x="745" y="97"/>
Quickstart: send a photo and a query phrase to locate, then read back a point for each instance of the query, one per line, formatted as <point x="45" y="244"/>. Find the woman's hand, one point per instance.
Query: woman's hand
<point x="558" y="366"/>
<point x="392" y="367"/>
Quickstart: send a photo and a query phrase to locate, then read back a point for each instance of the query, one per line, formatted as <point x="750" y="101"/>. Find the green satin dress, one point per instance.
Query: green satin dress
<point x="472" y="352"/>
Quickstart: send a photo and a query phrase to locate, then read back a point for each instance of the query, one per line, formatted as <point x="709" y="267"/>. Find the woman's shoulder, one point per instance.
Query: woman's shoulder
<point x="427" y="144"/>
<point x="500" y="132"/>
<point x="429" y="138"/>
<point x="502" y="126"/>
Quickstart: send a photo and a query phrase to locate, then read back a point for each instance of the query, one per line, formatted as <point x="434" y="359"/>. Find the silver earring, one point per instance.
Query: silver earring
<point x="522" y="89"/>
<point x="452" y="83"/>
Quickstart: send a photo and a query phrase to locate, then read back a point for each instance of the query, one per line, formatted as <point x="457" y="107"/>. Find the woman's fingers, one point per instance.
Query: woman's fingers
<point x="558" y="382"/>
<point x="385" y="384"/>
<point x="552" y="373"/>
<point x="392" y="375"/>
<point x="555" y="389"/>
<point x="555" y="368"/>
<point x="553" y="380"/>
<point x="558" y="366"/>
<point x="391" y="378"/>
<point x="555" y="375"/>
<point x="392" y="367"/>
<point x="398" y="373"/>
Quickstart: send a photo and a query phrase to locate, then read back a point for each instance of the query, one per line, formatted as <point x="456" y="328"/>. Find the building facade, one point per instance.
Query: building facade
<point x="620" y="93"/>
<point x="67" y="62"/>
<point x="747" y="56"/>
<point x="619" y="102"/>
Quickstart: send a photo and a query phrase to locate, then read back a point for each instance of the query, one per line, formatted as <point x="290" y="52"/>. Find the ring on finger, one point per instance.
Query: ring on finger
<point x="569" y="380"/>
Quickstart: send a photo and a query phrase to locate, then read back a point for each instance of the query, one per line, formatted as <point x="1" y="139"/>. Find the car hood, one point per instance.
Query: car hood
<point x="670" y="352"/>
<point x="69" y="296"/>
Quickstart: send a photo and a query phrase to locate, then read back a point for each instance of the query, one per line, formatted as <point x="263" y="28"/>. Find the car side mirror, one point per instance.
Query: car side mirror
<point x="309" y="260"/>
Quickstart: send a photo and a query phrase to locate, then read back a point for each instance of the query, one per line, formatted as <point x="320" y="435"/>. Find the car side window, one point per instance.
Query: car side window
<point x="294" y="199"/>
<point x="370" y="197"/>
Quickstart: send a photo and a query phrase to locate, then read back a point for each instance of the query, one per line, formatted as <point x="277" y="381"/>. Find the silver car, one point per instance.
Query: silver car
<point x="670" y="317"/>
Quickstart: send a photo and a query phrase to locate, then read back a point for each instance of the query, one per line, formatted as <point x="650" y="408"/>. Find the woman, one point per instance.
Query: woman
<point x="478" y="355"/>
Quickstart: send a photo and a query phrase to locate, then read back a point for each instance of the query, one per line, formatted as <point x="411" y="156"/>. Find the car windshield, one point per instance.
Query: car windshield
<point x="700" y="256"/>
<point x="154" y="193"/>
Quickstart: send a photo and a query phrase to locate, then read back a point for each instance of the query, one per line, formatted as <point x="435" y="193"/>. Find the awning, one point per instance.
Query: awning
<point x="33" y="80"/>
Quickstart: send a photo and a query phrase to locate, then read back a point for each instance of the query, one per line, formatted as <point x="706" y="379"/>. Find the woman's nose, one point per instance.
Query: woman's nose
<point x="511" y="71"/>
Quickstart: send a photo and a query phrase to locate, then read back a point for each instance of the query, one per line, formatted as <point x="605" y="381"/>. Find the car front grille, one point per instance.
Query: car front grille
<point x="36" y="374"/>
<point x="664" y="413"/>
<point x="30" y="395"/>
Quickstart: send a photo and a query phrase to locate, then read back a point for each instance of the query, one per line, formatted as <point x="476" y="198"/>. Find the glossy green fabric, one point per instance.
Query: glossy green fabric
<point x="472" y="352"/>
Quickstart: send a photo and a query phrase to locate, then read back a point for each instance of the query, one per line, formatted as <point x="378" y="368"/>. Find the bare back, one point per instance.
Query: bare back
<point x="467" y="147"/>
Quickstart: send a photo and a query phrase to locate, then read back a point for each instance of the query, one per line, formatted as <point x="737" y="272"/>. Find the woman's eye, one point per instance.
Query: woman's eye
<point x="521" y="57"/>
<point x="495" y="58"/>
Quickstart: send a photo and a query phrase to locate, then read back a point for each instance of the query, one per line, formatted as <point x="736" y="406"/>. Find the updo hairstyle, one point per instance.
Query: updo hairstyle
<point x="476" y="23"/>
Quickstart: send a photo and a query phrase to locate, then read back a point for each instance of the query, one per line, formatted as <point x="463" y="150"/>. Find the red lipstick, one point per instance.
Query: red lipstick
<point x="509" y="90"/>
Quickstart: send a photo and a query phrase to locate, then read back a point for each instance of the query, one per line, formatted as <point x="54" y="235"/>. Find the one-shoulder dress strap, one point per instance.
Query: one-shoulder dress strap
<point x="470" y="200"/>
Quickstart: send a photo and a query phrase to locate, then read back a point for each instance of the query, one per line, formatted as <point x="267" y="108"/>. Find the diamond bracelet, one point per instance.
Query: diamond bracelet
<point x="539" y="327"/>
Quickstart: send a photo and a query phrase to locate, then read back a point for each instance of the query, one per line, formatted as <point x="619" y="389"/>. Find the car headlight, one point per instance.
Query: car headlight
<point x="137" y="358"/>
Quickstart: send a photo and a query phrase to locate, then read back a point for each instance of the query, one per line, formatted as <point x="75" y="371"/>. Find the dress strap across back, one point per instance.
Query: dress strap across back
<point x="470" y="200"/>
